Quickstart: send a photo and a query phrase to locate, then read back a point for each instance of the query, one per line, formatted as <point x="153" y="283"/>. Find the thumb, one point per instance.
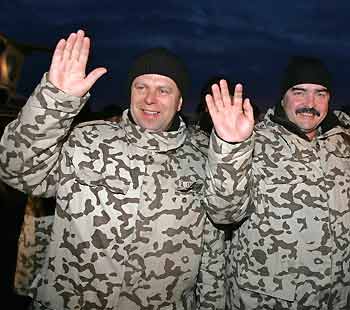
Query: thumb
<point x="93" y="76"/>
<point x="248" y="110"/>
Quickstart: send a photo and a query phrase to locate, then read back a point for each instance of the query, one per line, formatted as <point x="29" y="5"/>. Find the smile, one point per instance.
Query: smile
<point x="150" y="113"/>
<point x="305" y="114"/>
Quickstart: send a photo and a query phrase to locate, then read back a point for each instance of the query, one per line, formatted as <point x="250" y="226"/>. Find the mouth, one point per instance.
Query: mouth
<point x="149" y="113"/>
<point x="307" y="114"/>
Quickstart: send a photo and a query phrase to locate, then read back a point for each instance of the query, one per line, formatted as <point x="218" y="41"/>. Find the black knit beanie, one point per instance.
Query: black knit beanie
<point x="302" y="70"/>
<point x="163" y="62"/>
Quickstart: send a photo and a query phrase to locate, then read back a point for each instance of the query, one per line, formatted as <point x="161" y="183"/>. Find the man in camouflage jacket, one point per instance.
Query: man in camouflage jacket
<point x="287" y="184"/>
<point x="129" y="225"/>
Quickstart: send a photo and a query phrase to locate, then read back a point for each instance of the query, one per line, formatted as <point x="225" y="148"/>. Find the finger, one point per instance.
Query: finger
<point x="217" y="96"/>
<point x="93" y="76"/>
<point x="225" y="93"/>
<point x="69" y="46"/>
<point x="248" y="110"/>
<point x="58" y="53"/>
<point x="238" y="95"/>
<point x="211" y="106"/>
<point x="78" y="45"/>
<point x="80" y="65"/>
<point x="84" y="52"/>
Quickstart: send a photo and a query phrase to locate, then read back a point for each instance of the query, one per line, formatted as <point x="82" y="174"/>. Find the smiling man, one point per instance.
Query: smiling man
<point x="155" y="99"/>
<point x="286" y="183"/>
<point x="306" y="93"/>
<point x="130" y="226"/>
<point x="306" y="105"/>
<point x="157" y="80"/>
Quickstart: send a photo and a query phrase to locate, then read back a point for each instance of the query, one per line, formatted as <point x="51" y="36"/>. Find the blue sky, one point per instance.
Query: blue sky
<point x="247" y="41"/>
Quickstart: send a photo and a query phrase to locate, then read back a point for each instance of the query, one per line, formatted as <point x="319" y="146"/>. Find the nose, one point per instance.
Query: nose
<point x="310" y="99"/>
<point x="150" y="97"/>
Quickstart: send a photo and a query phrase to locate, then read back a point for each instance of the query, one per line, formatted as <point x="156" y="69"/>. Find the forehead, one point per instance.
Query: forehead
<point x="310" y="87"/>
<point x="155" y="79"/>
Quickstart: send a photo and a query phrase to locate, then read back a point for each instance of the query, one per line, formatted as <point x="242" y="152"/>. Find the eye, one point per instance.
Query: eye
<point x="164" y="91"/>
<point x="322" y="94"/>
<point x="139" y="87"/>
<point x="298" y="92"/>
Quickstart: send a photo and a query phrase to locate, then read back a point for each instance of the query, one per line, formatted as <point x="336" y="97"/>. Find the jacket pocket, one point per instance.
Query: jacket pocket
<point x="106" y="179"/>
<point x="286" y="172"/>
<point x="265" y="268"/>
<point x="282" y="287"/>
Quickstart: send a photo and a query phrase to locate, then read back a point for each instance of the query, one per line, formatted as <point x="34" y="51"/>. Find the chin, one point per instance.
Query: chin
<point x="152" y="128"/>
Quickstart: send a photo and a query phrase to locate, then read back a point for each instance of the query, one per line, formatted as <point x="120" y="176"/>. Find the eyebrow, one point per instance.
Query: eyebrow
<point x="298" y="88"/>
<point x="323" y="89"/>
<point x="160" y="85"/>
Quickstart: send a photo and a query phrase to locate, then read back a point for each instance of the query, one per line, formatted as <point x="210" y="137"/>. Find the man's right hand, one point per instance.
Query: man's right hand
<point x="68" y="66"/>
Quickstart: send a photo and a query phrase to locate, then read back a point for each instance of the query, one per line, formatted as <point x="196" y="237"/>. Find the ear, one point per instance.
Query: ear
<point x="282" y="102"/>
<point x="179" y="105"/>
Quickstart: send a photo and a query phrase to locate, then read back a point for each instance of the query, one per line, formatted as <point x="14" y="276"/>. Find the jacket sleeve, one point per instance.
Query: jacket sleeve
<point x="229" y="179"/>
<point x="31" y="146"/>
<point x="211" y="277"/>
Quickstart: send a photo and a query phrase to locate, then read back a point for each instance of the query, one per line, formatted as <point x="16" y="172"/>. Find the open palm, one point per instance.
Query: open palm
<point x="68" y="66"/>
<point x="233" y="118"/>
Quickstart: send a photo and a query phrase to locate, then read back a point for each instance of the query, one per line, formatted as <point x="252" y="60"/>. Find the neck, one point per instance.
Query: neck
<point x="311" y="135"/>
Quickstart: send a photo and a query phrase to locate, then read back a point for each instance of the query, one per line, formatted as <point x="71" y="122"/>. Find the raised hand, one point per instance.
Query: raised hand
<point x="233" y="118"/>
<point x="68" y="65"/>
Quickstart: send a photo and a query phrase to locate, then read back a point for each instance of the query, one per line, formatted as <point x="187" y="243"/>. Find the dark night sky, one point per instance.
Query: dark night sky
<point x="248" y="41"/>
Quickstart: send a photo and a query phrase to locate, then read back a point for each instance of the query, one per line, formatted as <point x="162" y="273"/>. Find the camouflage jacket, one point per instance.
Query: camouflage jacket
<point x="292" y="199"/>
<point x="129" y="219"/>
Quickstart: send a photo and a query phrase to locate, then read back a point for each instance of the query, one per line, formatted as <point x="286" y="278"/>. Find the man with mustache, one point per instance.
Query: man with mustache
<point x="129" y="227"/>
<point x="286" y="184"/>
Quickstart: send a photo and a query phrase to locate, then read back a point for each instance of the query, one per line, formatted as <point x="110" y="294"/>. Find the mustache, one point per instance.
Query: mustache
<point x="308" y="110"/>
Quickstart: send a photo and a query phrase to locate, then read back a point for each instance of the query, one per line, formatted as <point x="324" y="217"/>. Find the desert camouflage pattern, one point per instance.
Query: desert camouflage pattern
<point x="32" y="244"/>
<point x="291" y="196"/>
<point x="129" y="222"/>
<point x="211" y="285"/>
<point x="211" y="282"/>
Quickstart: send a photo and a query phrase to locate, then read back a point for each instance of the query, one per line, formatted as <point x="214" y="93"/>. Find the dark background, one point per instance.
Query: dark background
<point x="247" y="41"/>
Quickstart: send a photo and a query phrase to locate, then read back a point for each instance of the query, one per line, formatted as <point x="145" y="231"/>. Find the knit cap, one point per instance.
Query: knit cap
<point x="303" y="70"/>
<point x="163" y="62"/>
